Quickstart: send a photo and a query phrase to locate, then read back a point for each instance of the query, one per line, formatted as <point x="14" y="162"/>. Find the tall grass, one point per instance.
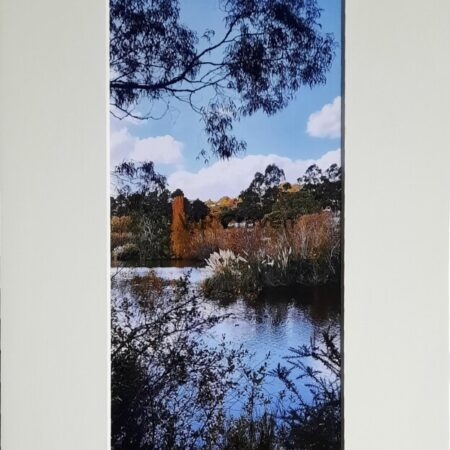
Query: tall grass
<point x="308" y="236"/>
<point x="305" y="251"/>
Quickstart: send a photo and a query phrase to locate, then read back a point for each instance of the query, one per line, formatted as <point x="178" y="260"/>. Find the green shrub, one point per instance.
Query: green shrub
<point x="232" y="276"/>
<point x="235" y="276"/>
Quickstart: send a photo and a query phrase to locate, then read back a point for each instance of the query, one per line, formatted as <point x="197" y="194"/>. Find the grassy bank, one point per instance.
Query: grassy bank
<point x="305" y="252"/>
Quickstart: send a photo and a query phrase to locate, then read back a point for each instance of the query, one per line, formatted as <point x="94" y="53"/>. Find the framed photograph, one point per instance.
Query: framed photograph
<point x="226" y="231"/>
<point x="224" y="225"/>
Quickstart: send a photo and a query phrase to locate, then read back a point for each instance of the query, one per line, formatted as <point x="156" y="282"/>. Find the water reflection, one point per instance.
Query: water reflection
<point x="280" y="319"/>
<point x="276" y="307"/>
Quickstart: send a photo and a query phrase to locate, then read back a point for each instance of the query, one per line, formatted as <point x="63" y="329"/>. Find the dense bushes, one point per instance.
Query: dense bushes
<point x="126" y="252"/>
<point x="170" y="390"/>
<point x="140" y="212"/>
<point x="315" y="424"/>
<point x="231" y="276"/>
<point x="275" y="217"/>
<point x="305" y="252"/>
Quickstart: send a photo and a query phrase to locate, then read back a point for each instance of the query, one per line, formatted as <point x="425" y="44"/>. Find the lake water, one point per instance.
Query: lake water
<point x="281" y="319"/>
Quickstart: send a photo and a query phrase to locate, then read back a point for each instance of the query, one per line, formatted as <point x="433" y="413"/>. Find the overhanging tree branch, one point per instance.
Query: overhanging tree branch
<point x="268" y="51"/>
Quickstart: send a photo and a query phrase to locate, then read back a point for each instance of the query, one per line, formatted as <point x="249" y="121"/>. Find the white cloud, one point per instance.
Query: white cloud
<point x="159" y="149"/>
<point x="326" y="123"/>
<point x="232" y="176"/>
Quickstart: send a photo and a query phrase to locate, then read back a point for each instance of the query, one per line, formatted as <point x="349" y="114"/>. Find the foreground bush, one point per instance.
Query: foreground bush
<point x="315" y="424"/>
<point x="126" y="252"/>
<point x="170" y="391"/>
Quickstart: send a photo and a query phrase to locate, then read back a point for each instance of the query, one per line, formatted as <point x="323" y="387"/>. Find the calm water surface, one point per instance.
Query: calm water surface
<point x="282" y="318"/>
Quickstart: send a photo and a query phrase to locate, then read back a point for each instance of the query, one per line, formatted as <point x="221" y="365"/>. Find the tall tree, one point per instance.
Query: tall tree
<point x="199" y="210"/>
<point x="333" y="173"/>
<point x="177" y="193"/>
<point x="143" y="195"/>
<point x="259" y="198"/>
<point x="312" y="176"/>
<point x="291" y="205"/>
<point x="273" y="176"/>
<point x="268" y="50"/>
<point x="326" y="188"/>
<point x="273" y="179"/>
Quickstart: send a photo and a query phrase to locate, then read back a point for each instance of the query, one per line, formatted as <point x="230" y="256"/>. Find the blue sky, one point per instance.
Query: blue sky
<point x="306" y="131"/>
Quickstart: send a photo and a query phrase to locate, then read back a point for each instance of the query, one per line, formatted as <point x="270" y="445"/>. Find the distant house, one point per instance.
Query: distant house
<point x="243" y="224"/>
<point x="248" y="224"/>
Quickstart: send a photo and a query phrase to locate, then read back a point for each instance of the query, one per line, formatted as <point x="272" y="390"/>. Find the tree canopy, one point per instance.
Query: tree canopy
<point x="177" y="193"/>
<point x="258" y="199"/>
<point x="326" y="188"/>
<point x="198" y="210"/>
<point x="143" y="196"/>
<point x="268" y="50"/>
<point x="269" y="195"/>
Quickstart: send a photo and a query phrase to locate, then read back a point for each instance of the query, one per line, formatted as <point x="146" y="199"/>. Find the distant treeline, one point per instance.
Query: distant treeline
<point x="142" y="213"/>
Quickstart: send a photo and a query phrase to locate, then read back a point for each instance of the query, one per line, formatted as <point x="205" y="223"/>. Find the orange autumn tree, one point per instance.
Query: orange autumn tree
<point x="179" y="232"/>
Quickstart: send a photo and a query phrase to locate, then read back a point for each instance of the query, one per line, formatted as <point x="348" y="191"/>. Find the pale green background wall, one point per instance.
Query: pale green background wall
<point x="54" y="280"/>
<point x="53" y="172"/>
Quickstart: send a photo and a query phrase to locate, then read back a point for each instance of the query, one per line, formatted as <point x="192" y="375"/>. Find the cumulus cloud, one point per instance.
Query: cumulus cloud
<point x="232" y="176"/>
<point x="159" y="149"/>
<point x="326" y="123"/>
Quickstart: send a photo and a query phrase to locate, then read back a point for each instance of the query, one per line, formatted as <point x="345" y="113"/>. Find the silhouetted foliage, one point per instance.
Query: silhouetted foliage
<point x="326" y="188"/>
<point x="143" y="196"/>
<point x="259" y="198"/>
<point x="169" y="389"/>
<point x="198" y="210"/>
<point x="177" y="193"/>
<point x="291" y="205"/>
<point x="269" y="196"/>
<point x="250" y="206"/>
<point x="268" y="50"/>
<point x="314" y="424"/>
